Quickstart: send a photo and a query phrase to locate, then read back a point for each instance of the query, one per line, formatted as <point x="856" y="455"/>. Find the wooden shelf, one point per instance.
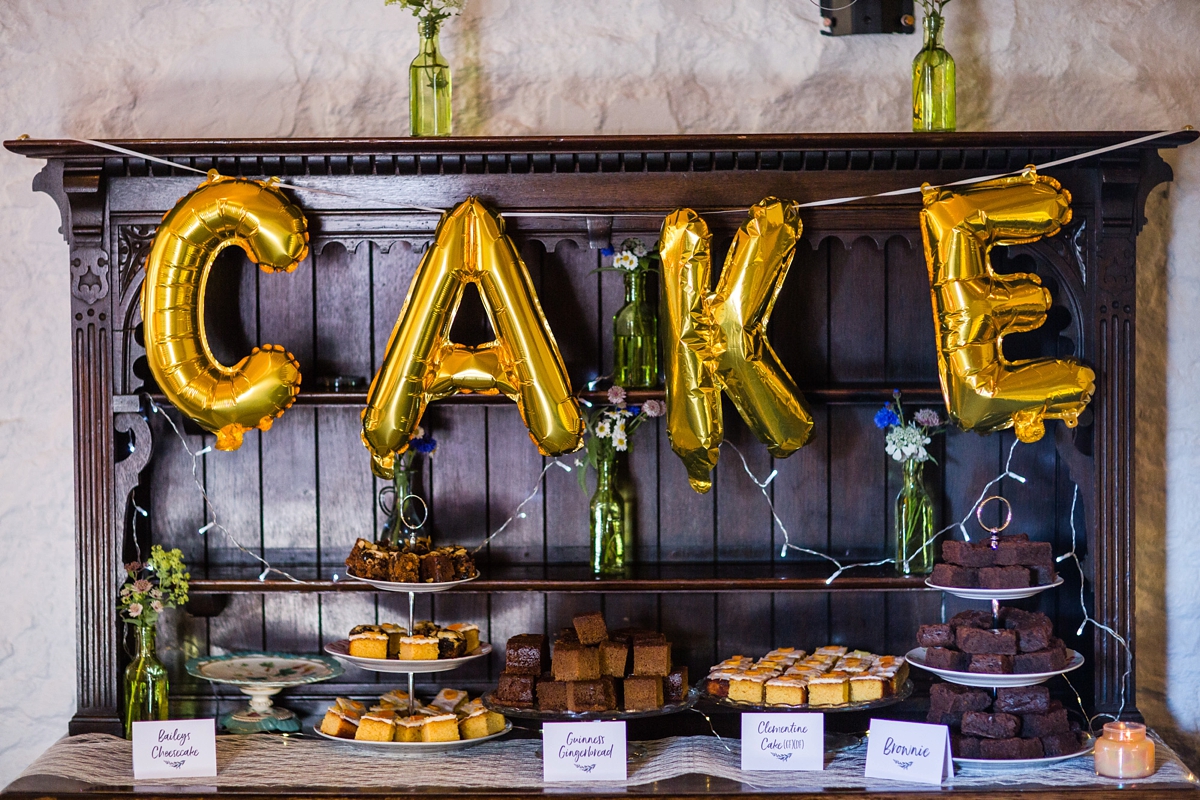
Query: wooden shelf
<point x="650" y="578"/>
<point x="844" y="394"/>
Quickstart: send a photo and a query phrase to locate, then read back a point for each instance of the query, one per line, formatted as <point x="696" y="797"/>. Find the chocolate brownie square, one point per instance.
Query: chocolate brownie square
<point x="990" y="726"/>
<point x="436" y="567"/>
<point x="948" y="702"/>
<point x="1010" y="749"/>
<point x="964" y="746"/>
<point x="1051" y="722"/>
<point x="1060" y="744"/>
<point x="1023" y="700"/>
<point x="515" y="690"/>
<point x="971" y="618"/>
<point x="945" y="658"/>
<point x="675" y="688"/>
<point x="524" y="654"/>
<point x="1034" y="630"/>
<point x="590" y="628"/>
<point x="954" y="575"/>
<point x="1052" y="659"/>
<point x="991" y="664"/>
<point x="1042" y="574"/>
<point x="937" y="635"/>
<point x="1003" y="577"/>
<point x="551" y="695"/>
<point x="1011" y="552"/>
<point x="404" y="567"/>
<point x="998" y="641"/>
<point x="968" y="554"/>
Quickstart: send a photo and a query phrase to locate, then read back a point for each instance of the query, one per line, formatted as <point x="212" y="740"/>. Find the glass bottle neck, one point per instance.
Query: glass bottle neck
<point x="912" y="470"/>
<point x="145" y="636"/>
<point x="428" y="30"/>
<point x="635" y="286"/>
<point x="933" y="31"/>
<point x="606" y="470"/>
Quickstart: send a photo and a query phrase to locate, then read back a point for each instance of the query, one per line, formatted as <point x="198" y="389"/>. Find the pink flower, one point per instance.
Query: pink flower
<point x="157" y="607"/>
<point x="142" y="585"/>
<point x="133" y="566"/>
<point x="135" y="609"/>
<point x="616" y="395"/>
<point x="927" y="417"/>
<point x="654" y="408"/>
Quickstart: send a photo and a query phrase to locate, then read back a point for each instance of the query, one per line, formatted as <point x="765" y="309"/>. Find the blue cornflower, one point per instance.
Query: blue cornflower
<point x="886" y="417"/>
<point x="426" y="444"/>
<point x="606" y="252"/>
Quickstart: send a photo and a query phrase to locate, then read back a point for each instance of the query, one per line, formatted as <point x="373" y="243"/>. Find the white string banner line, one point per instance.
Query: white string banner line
<point x="607" y="215"/>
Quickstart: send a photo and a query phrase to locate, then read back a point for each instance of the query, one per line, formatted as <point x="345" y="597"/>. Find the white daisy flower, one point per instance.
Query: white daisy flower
<point x="625" y="260"/>
<point x="620" y="441"/>
<point x="603" y="429"/>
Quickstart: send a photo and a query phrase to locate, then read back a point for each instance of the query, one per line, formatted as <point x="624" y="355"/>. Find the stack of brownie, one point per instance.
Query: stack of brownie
<point x="411" y="562"/>
<point x="1013" y="563"/>
<point x="1022" y="722"/>
<point x="969" y="643"/>
<point x="592" y="670"/>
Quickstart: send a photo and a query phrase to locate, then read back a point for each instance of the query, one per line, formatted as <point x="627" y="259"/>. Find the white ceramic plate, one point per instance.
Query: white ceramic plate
<point x="415" y="748"/>
<point x="916" y="657"/>
<point x="416" y="588"/>
<point x="993" y="594"/>
<point x="1024" y="763"/>
<point x="264" y="669"/>
<point x="341" y="650"/>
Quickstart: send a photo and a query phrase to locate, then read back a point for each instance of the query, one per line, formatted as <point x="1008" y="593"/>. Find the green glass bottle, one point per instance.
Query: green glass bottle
<point x="429" y="85"/>
<point x="145" y="682"/>
<point x="933" y="81"/>
<point x="606" y="517"/>
<point x="914" y="522"/>
<point x="635" y="337"/>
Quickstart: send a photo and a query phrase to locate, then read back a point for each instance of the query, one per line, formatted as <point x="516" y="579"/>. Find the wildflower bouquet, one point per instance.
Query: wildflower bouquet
<point x="633" y="257"/>
<point x="432" y="12"/>
<point x="159" y="583"/>
<point x="907" y="441"/>
<point x="610" y="428"/>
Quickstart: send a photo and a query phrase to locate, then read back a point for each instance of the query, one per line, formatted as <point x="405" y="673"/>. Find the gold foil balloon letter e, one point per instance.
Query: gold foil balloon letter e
<point x="717" y="341"/>
<point x="222" y="212"/>
<point x="422" y="364"/>
<point x="974" y="308"/>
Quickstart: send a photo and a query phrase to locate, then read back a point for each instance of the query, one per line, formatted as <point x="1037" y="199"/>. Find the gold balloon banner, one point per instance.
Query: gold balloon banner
<point x="974" y="307"/>
<point x="222" y="212"/>
<point x="422" y="364"/>
<point x="717" y="341"/>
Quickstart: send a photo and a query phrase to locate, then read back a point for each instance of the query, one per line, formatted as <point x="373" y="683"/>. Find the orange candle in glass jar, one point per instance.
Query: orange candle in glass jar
<point x="1124" y="751"/>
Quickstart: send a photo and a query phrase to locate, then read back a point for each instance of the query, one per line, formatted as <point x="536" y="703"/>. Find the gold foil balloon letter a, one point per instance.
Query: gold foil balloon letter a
<point x="422" y="364"/>
<point x="974" y="307"/>
<point x="222" y="212"/>
<point x="716" y="341"/>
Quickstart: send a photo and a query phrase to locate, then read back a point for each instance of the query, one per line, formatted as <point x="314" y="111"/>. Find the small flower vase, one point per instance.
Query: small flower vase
<point x="933" y="82"/>
<point x="429" y="85"/>
<point x="606" y="517"/>
<point x="145" y="682"/>
<point x="635" y="337"/>
<point x="914" y="522"/>
<point x="406" y="507"/>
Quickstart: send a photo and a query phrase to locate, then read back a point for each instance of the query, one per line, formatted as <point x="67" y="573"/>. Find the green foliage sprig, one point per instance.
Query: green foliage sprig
<point x="430" y="12"/>
<point x="932" y="7"/>
<point x="159" y="583"/>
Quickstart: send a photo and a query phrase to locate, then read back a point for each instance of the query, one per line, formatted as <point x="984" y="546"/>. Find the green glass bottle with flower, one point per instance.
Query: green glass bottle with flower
<point x="635" y="325"/>
<point x="406" y="510"/>
<point x="610" y="432"/>
<point x="933" y="76"/>
<point x="430" y="113"/>
<point x="161" y="582"/>
<point x="906" y="442"/>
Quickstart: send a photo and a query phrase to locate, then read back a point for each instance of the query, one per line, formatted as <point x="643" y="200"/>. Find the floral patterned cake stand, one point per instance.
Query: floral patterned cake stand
<point x="263" y="675"/>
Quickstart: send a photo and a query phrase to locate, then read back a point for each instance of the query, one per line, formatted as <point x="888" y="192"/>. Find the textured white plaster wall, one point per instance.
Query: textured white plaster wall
<point x="130" y="68"/>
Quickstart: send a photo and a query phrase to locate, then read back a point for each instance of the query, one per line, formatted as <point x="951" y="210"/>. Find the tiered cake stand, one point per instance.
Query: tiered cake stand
<point x="916" y="656"/>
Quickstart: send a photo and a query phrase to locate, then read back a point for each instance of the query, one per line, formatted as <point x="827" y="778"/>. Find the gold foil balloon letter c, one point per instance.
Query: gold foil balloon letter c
<point x="974" y="307"/>
<point x="422" y="364"/>
<point x="220" y="213"/>
<point x="717" y="340"/>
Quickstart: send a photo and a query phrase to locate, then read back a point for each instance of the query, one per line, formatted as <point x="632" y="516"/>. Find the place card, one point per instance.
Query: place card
<point x="176" y="748"/>
<point x="584" y="751"/>
<point x="909" y="751"/>
<point x="783" y="742"/>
